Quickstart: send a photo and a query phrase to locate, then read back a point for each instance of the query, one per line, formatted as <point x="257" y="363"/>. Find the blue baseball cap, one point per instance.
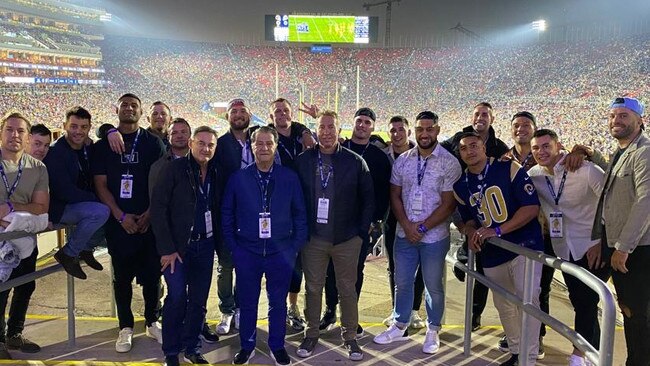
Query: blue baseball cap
<point x="632" y="104"/>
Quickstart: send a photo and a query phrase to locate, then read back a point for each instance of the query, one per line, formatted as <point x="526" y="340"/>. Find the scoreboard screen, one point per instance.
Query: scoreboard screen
<point x="320" y="28"/>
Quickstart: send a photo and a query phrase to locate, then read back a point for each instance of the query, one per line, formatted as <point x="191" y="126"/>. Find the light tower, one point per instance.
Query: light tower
<point x="389" y="9"/>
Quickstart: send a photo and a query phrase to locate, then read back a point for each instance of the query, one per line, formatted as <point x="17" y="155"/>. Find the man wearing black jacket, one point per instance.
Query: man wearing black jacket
<point x="72" y="196"/>
<point x="339" y="197"/>
<point x="380" y="168"/>
<point x="184" y="206"/>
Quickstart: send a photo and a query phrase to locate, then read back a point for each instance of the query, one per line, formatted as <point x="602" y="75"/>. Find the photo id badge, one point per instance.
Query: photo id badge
<point x="555" y="224"/>
<point x="322" y="214"/>
<point x="417" y="201"/>
<point x="126" y="186"/>
<point x="208" y="224"/>
<point x="265" y="225"/>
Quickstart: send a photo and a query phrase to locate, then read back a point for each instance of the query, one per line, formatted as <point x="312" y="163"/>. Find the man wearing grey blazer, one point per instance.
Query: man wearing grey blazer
<point x="623" y="220"/>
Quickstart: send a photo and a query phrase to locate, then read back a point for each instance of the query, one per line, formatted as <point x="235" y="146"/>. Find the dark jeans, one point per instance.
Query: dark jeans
<point x="187" y="293"/>
<point x="633" y="292"/>
<point x="226" y="290"/>
<point x="296" y="276"/>
<point x="331" y="292"/>
<point x="20" y="299"/>
<point x="585" y="301"/>
<point x="249" y="268"/>
<point x="389" y="244"/>
<point x="134" y="256"/>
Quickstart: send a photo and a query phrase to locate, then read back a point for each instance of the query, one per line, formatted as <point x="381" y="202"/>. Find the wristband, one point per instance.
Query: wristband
<point x="422" y="229"/>
<point x="121" y="220"/>
<point x="111" y="131"/>
<point x="11" y="207"/>
<point x="497" y="230"/>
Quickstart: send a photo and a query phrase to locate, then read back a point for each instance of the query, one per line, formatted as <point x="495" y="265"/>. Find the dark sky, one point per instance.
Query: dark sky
<point x="228" y="21"/>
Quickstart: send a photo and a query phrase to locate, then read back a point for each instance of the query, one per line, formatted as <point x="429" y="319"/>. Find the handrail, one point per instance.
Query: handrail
<point x="45" y="272"/>
<point x="604" y="357"/>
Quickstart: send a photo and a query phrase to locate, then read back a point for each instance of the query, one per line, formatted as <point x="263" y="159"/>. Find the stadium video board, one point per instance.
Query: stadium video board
<point x="321" y="28"/>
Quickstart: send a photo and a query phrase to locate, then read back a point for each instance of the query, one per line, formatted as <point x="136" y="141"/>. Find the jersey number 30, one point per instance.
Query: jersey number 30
<point x="493" y="206"/>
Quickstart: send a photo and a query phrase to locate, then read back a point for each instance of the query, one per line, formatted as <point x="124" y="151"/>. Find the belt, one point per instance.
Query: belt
<point x="200" y="236"/>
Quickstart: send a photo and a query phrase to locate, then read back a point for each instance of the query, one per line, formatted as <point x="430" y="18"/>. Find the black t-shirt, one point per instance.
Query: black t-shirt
<point x="325" y="230"/>
<point x="380" y="170"/>
<point x="85" y="178"/>
<point x="105" y="162"/>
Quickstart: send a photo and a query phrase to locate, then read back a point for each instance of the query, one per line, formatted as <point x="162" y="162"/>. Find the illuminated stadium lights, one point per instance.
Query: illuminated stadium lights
<point x="106" y="17"/>
<point x="539" y="25"/>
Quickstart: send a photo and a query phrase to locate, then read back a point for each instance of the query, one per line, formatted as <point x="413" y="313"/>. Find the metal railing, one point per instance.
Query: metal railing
<point x="604" y="357"/>
<point x="61" y="231"/>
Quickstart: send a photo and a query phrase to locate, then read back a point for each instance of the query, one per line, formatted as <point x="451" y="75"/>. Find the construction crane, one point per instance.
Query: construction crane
<point x="389" y="8"/>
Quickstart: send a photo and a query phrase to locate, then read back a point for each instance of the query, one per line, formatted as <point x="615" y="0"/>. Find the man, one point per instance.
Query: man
<point x="264" y="226"/>
<point x="482" y="120"/>
<point x="183" y="215"/>
<point x="121" y="183"/>
<point x="569" y="201"/>
<point x="293" y="139"/>
<point x="622" y="223"/>
<point x="497" y="199"/>
<point x="234" y="152"/>
<point x="399" y="143"/>
<point x="178" y="137"/>
<point x="40" y="138"/>
<point x="422" y="200"/>
<point x="379" y="165"/>
<point x="72" y="193"/>
<point x="159" y="118"/>
<point x="340" y="203"/>
<point x="25" y="189"/>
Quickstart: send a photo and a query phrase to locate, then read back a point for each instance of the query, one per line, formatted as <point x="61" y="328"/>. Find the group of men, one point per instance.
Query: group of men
<point x="280" y="202"/>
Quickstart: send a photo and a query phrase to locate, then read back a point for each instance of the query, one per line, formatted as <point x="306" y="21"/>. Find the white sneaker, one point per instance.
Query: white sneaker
<point x="155" y="331"/>
<point x="124" y="340"/>
<point x="416" y="321"/>
<point x="224" y="326"/>
<point x="389" y="321"/>
<point x="575" y="360"/>
<point x="393" y="333"/>
<point x="237" y="319"/>
<point x="431" y="342"/>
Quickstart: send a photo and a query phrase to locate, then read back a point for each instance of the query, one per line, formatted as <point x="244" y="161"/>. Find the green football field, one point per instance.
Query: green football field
<point x="329" y="29"/>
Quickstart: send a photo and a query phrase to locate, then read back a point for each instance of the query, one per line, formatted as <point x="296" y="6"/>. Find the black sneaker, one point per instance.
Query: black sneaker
<point x="17" y="341"/>
<point x="243" y="357"/>
<point x="196" y="358"/>
<point x="70" y="264"/>
<point x="208" y="335"/>
<point x="88" y="257"/>
<point x="354" y="351"/>
<point x="328" y="321"/>
<point x="307" y="346"/>
<point x="281" y="357"/>
<point x="512" y="361"/>
<point x="540" y="353"/>
<point x="360" y="331"/>
<point x="502" y="345"/>
<point x="171" y="361"/>
<point x="4" y="354"/>
<point x="476" y="323"/>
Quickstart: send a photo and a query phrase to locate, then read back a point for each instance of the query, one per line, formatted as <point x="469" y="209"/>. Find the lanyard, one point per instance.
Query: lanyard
<point x="560" y="190"/>
<point x="349" y="146"/>
<point x="324" y="181"/>
<point x="130" y="157"/>
<point x="481" y="186"/>
<point x="421" y="168"/>
<point x="205" y="194"/>
<point x="246" y="154"/>
<point x="12" y="189"/>
<point x="85" y="158"/>
<point x="295" y="152"/>
<point x="264" y="188"/>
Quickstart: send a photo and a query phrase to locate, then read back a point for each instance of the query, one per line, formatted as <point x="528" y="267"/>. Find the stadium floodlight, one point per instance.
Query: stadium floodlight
<point x="106" y="17"/>
<point x="539" y="25"/>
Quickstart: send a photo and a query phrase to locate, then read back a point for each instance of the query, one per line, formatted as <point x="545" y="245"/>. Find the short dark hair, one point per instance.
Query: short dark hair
<point x="18" y="115"/>
<point x="546" y="132"/>
<point x="524" y="114"/>
<point x="40" y="129"/>
<point x="265" y="129"/>
<point x="398" y="118"/>
<point x="279" y="100"/>
<point x="205" y="129"/>
<point x="427" y="115"/>
<point x="129" y="95"/>
<point x="78" y="112"/>
<point x="159" y="103"/>
<point x="180" y="120"/>
<point x="484" y="104"/>
<point x="467" y="134"/>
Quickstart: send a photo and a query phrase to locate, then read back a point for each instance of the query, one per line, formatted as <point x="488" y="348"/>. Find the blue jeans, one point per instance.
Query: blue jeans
<point x="227" y="293"/>
<point x="88" y="218"/>
<point x="249" y="269"/>
<point x="431" y="258"/>
<point x="187" y="293"/>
